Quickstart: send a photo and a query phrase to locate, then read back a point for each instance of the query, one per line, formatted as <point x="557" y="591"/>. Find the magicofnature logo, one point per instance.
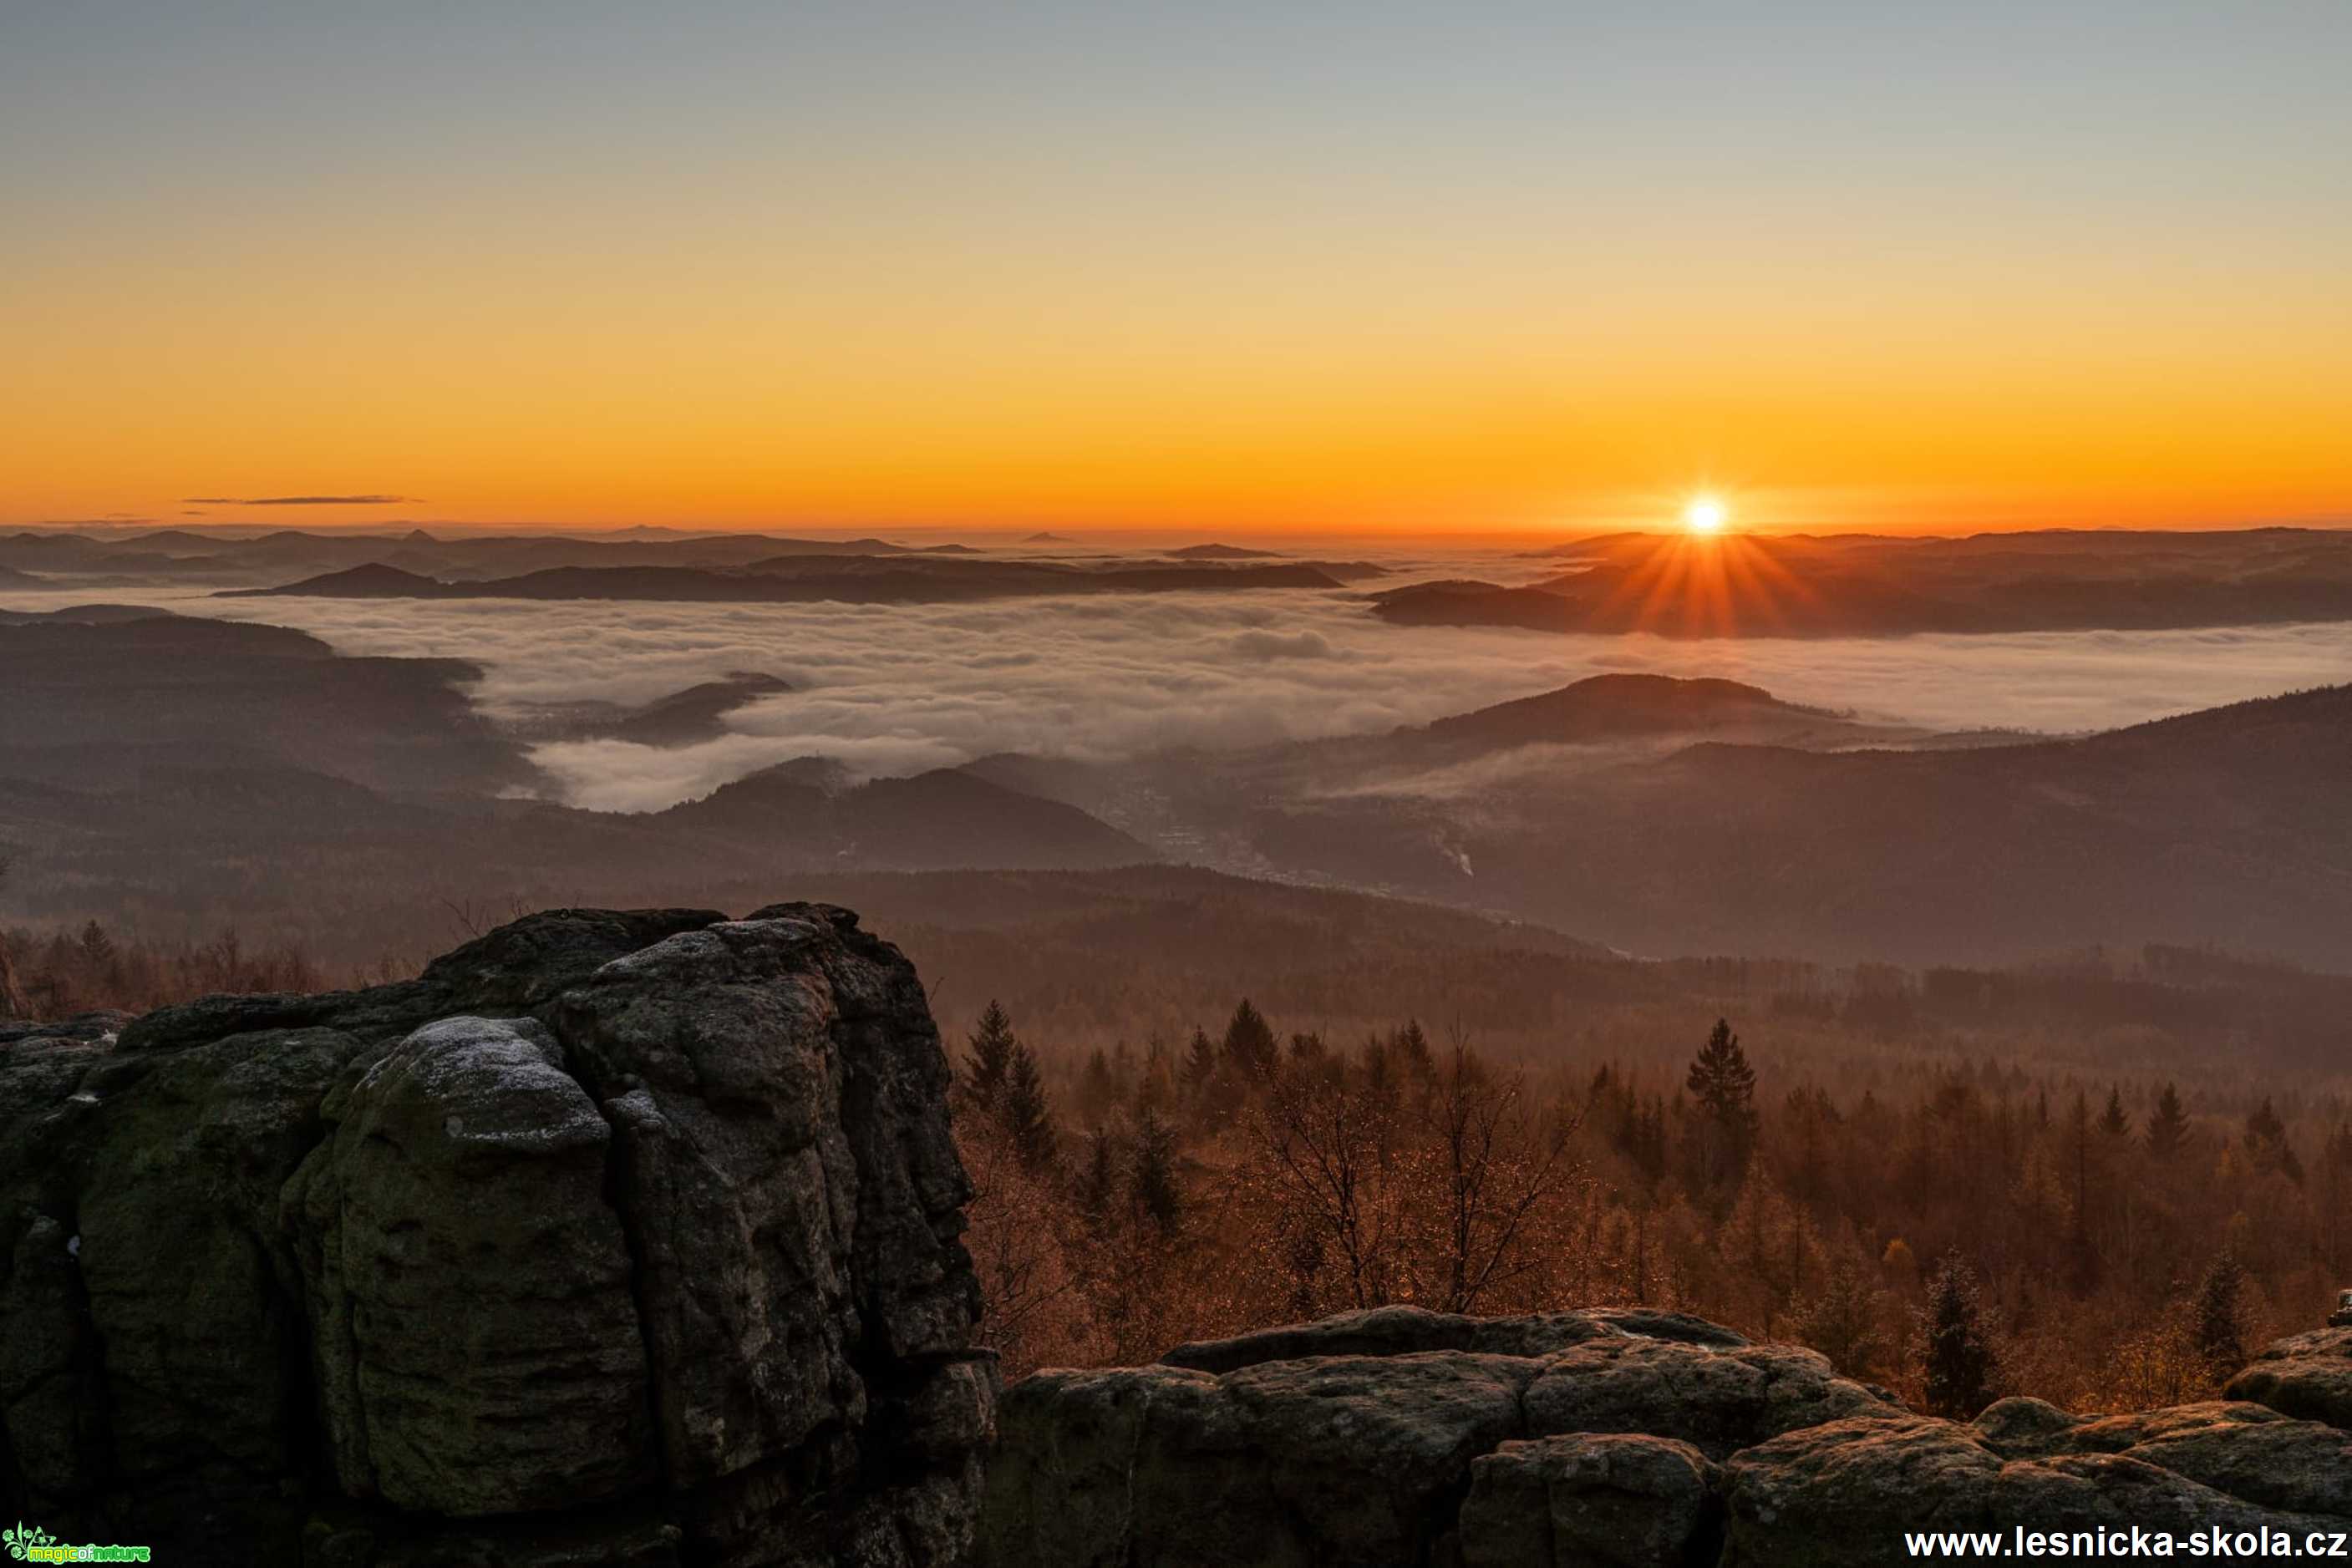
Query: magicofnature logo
<point x="31" y="1543"/>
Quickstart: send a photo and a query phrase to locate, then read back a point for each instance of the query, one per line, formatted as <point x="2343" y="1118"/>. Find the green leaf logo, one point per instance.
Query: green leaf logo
<point x="21" y="1541"/>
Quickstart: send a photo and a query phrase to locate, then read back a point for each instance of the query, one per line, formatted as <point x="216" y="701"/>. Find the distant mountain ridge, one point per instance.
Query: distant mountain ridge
<point x="2224" y="826"/>
<point x="789" y="581"/>
<point x="1861" y="585"/>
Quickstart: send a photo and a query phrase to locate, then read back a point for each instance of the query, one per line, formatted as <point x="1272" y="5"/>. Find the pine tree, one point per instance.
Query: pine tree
<point x="1724" y="1084"/>
<point x="2168" y="1125"/>
<point x="1024" y="1112"/>
<point x="1960" y="1367"/>
<point x="2221" y="1336"/>
<point x="993" y="1045"/>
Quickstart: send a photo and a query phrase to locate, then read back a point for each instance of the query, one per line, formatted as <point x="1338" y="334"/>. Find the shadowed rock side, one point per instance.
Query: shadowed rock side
<point x="613" y="1238"/>
<point x="1399" y="1437"/>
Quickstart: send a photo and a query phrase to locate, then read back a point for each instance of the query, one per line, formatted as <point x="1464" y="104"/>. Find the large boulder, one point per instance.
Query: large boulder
<point x="1718" y="1400"/>
<point x="2308" y="1375"/>
<point x="1848" y="1493"/>
<point x="613" y="1236"/>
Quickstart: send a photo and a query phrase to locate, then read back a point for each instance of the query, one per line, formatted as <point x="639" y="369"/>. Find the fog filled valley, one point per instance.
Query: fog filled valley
<point x="1227" y="868"/>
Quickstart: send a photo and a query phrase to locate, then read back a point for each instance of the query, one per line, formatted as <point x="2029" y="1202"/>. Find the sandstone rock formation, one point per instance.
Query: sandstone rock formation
<point x="613" y="1238"/>
<point x="1401" y="1437"/>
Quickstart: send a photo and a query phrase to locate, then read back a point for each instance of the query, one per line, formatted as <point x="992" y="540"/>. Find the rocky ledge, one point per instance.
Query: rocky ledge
<point x="614" y="1238"/>
<point x="1399" y="1437"/>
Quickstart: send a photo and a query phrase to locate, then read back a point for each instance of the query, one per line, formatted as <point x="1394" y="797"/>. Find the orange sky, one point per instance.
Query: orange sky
<point x="536" y="271"/>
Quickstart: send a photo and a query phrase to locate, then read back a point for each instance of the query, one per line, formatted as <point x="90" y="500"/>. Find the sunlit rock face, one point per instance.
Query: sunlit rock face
<point x="616" y="1237"/>
<point x="1399" y="1437"/>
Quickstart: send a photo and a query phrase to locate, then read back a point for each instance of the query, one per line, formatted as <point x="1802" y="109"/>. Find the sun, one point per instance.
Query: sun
<point x="1705" y="515"/>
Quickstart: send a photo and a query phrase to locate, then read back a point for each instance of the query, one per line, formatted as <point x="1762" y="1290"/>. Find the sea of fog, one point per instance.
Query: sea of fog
<point x="895" y="689"/>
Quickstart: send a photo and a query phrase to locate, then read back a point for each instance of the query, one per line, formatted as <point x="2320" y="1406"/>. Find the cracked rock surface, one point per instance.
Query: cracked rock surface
<point x="613" y="1238"/>
<point x="1400" y="1438"/>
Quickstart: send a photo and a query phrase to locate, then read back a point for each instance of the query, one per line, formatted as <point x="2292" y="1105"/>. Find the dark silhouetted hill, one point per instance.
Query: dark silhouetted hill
<point x="165" y="687"/>
<point x="1616" y="707"/>
<point x="2227" y="826"/>
<point x="945" y="818"/>
<point x="1221" y="552"/>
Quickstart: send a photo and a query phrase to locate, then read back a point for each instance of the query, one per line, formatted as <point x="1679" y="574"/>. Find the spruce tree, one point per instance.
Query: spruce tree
<point x="2084" y="1255"/>
<point x="1960" y="1367"/>
<point x="1249" y="1040"/>
<point x="1724" y="1084"/>
<point x="97" y="947"/>
<point x="2168" y="1125"/>
<point x="13" y="1003"/>
<point x="2266" y="1144"/>
<point x="1153" y="1184"/>
<point x="1412" y="1053"/>
<point x="1024" y="1112"/>
<point x="1200" y="1060"/>
<point x="2221" y="1336"/>
<point x="1097" y="1181"/>
<point x="1098" y="1086"/>
<point x="991" y="1057"/>
<point x="1376" y="1071"/>
<point x="2113" y="1121"/>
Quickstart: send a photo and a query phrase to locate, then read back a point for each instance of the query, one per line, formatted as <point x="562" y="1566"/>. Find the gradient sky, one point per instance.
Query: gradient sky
<point x="1244" y="265"/>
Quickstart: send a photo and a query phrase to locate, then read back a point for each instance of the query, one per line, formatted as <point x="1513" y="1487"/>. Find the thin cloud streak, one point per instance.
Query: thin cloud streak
<point x="296" y="500"/>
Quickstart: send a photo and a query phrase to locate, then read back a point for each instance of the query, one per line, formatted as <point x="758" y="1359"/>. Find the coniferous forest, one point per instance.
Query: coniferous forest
<point x="1958" y="1233"/>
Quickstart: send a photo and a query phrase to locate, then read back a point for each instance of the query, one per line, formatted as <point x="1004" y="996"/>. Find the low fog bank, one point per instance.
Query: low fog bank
<point x="892" y="690"/>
